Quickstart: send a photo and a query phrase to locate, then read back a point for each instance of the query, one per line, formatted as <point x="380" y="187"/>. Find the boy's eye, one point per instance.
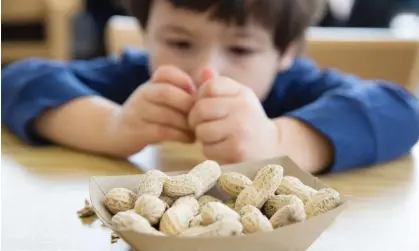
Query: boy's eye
<point x="240" y="51"/>
<point x="179" y="44"/>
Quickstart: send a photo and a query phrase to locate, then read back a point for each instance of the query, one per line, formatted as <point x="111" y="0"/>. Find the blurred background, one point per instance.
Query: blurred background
<point x="370" y="38"/>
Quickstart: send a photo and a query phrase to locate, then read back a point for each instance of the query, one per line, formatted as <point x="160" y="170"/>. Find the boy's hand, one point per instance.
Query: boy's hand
<point x="157" y="111"/>
<point x="231" y="124"/>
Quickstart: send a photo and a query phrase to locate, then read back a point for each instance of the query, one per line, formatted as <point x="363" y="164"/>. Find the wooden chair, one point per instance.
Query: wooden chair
<point x="368" y="53"/>
<point x="55" y="15"/>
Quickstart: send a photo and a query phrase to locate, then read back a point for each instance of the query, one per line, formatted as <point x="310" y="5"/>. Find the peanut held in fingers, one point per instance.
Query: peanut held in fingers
<point x="119" y="200"/>
<point x="150" y="207"/>
<point x="233" y="183"/>
<point x="324" y="200"/>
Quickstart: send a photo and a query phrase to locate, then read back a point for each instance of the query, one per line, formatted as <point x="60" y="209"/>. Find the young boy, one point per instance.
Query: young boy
<point x="224" y="73"/>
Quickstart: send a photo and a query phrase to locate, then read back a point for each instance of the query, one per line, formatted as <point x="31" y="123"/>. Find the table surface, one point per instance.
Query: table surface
<point x="42" y="188"/>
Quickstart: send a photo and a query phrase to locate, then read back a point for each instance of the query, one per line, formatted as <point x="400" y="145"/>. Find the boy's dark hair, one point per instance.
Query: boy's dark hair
<point x="286" y="19"/>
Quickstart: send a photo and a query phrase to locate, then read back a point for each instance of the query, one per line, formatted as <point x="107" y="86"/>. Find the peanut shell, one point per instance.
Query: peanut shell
<point x="204" y="199"/>
<point x="225" y="227"/>
<point x="151" y="183"/>
<point x="289" y="214"/>
<point x="196" y="221"/>
<point x="208" y="172"/>
<point x="150" y="207"/>
<point x="131" y="221"/>
<point x="254" y="221"/>
<point x="189" y="201"/>
<point x="251" y="196"/>
<point x="215" y="211"/>
<point x="169" y="200"/>
<point x="276" y="202"/>
<point x="294" y="186"/>
<point x="230" y="204"/>
<point x="182" y="185"/>
<point x="119" y="200"/>
<point x="233" y="183"/>
<point x="269" y="178"/>
<point x="324" y="200"/>
<point x="176" y="219"/>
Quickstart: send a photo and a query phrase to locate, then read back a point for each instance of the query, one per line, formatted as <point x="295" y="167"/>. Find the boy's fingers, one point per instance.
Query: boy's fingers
<point x="209" y="109"/>
<point x="169" y="95"/>
<point x="208" y="74"/>
<point x="172" y="75"/>
<point x="165" y="116"/>
<point x="213" y="131"/>
<point x="219" y="87"/>
<point x="165" y="133"/>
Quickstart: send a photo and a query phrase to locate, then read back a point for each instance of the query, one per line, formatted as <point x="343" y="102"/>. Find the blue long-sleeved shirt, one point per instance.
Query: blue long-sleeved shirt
<point x="366" y="121"/>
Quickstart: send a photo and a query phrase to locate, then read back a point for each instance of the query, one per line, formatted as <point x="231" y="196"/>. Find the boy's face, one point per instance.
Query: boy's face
<point x="192" y="42"/>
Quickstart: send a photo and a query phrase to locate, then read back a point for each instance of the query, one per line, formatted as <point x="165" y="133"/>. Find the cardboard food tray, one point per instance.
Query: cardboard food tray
<point x="295" y="237"/>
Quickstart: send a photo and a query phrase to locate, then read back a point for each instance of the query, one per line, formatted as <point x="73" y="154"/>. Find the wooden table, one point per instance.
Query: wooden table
<point x="42" y="188"/>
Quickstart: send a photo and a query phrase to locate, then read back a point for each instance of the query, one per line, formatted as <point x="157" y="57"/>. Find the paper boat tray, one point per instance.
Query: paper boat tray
<point x="296" y="237"/>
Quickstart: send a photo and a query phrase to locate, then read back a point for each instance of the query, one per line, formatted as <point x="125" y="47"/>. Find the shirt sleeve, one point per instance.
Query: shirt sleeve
<point x="32" y="86"/>
<point x="367" y="121"/>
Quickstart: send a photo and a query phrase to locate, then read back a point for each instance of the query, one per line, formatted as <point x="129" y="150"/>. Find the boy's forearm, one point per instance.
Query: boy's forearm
<point x="304" y="145"/>
<point x="83" y="124"/>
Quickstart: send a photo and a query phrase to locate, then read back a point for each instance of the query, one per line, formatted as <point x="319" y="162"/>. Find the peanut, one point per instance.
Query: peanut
<point x="189" y="201"/>
<point x="289" y="214"/>
<point x="253" y="220"/>
<point x="266" y="181"/>
<point x="176" y="219"/>
<point x="205" y="199"/>
<point x="150" y="207"/>
<point x="294" y="186"/>
<point x="120" y="199"/>
<point x="276" y="202"/>
<point x="208" y="172"/>
<point x="215" y="211"/>
<point x="169" y="200"/>
<point x="151" y="183"/>
<point x="225" y="227"/>
<point x="130" y="221"/>
<point x="196" y="221"/>
<point x="230" y="203"/>
<point x="250" y="196"/>
<point x="233" y="183"/>
<point x="269" y="178"/>
<point x="182" y="185"/>
<point x="324" y="200"/>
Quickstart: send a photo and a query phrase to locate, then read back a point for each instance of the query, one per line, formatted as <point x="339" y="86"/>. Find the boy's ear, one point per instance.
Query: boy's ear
<point x="286" y="60"/>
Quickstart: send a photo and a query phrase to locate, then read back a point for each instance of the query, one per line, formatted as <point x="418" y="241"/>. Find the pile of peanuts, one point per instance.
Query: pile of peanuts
<point x="179" y="206"/>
